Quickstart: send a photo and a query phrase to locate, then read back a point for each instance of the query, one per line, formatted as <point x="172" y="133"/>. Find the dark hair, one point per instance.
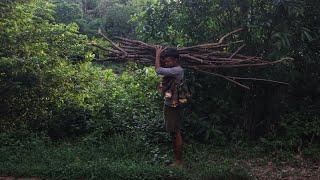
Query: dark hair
<point x="171" y="52"/>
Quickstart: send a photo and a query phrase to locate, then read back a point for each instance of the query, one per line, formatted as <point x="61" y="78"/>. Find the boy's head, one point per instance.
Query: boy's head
<point x="170" y="57"/>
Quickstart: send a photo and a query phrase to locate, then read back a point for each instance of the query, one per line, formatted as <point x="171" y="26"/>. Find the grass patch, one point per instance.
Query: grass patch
<point x="117" y="158"/>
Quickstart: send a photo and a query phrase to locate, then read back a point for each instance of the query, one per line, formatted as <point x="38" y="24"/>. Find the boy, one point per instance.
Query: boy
<point x="172" y="75"/>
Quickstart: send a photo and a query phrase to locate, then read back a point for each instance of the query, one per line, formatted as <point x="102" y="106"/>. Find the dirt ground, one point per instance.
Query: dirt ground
<point x="298" y="169"/>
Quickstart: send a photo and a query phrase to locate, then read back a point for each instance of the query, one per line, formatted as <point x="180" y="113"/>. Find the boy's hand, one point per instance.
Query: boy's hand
<point x="159" y="49"/>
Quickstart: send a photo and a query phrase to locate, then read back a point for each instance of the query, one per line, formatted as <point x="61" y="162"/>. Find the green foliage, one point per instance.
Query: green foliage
<point x="116" y="16"/>
<point x="297" y="131"/>
<point x="119" y="157"/>
<point x="111" y="15"/>
<point x="273" y="29"/>
<point x="133" y="104"/>
<point x="69" y="100"/>
<point x="67" y="12"/>
<point x="50" y="84"/>
<point x="34" y="48"/>
<point x="27" y="32"/>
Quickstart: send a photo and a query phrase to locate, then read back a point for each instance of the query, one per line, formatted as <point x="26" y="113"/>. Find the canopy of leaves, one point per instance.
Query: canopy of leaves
<point x="274" y="29"/>
<point x="49" y="84"/>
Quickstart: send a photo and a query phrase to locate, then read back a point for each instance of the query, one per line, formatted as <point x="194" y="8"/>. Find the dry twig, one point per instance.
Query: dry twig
<point x="204" y="58"/>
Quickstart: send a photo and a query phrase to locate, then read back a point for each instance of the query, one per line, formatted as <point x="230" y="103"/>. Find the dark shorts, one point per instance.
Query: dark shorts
<point x="172" y="118"/>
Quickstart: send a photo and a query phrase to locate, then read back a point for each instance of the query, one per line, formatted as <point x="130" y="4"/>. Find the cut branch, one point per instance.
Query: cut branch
<point x="225" y="77"/>
<point x="206" y="58"/>
<point x="113" y="44"/>
<point x="229" y="34"/>
<point x="258" y="79"/>
<point x="237" y="51"/>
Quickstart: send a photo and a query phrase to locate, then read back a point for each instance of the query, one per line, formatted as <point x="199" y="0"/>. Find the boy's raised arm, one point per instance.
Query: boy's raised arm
<point x="159" y="50"/>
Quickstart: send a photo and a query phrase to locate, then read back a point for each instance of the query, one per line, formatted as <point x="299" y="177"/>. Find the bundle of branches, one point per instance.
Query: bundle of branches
<point x="207" y="58"/>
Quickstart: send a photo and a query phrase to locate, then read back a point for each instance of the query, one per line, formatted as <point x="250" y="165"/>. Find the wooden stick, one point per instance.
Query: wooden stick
<point x="208" y="46"/>
<point x="193" y="58"/>
<point x="136" y="41"/>
<point x="225" y="77"/>
<point x="113" y="44"/>
<point x="212" y="44"/>
<point x="244" y="65"/>
<point x="258" y="79"/>
<point x="204" y="58"/>
<point x="230" y="60"/>
<point x="229" y="34"/>
<point x="237" y="51"/>
<point x="103" y="48"/>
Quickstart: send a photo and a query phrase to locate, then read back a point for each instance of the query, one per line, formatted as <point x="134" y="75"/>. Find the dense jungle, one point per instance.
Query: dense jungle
<point x="69" y="112"/>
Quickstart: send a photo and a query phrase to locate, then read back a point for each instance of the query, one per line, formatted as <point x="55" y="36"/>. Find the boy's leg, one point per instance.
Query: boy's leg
<point x="172" y="117"/>
<point x="177" y="148"/>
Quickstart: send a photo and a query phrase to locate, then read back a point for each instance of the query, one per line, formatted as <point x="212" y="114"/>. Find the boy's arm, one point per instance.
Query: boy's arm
<point x="164" y="71"/>
<point x="159" y="50"/>
<point x="169" y="71"/>
<point x="157" y="62"/>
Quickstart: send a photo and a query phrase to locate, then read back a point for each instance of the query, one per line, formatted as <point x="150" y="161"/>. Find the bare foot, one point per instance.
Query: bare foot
<point x="177" y="163"/>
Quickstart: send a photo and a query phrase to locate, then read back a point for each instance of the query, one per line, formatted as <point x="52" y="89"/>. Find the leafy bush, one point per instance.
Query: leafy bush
<point x="273" y="29"/>
<point x="69" y="100"/>
<point x="48" y="83"/>
<point x="296" y="131"/>
<point x="67" y="12"/>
